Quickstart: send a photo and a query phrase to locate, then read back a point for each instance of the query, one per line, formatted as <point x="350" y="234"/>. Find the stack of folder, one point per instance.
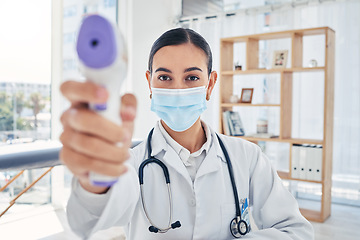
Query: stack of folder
<point x="306" y="162"/>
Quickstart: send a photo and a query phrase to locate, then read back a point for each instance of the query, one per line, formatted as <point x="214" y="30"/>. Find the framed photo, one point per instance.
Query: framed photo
<point x="246" y="95"/>
<point x="280" y="59"/>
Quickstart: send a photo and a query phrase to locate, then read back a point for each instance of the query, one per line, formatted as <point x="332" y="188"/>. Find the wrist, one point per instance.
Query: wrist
<point x="85" y="184"/>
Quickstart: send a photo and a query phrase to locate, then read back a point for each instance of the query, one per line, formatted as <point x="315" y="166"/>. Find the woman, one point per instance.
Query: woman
<point x="203" y="198"/>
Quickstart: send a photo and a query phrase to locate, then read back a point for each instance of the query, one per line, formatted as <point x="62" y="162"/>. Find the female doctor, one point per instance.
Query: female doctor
<point x="216" y="181"/>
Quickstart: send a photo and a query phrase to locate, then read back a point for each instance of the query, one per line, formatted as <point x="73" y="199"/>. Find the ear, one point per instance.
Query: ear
<point x="148" y="78"/>
<point x="211" y="85"/>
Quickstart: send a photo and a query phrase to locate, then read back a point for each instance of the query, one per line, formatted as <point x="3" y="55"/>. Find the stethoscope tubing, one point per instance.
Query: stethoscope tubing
<point x="167" y="179"/>
<point x="231" y="174"/>
<point x="161" y="230"/>
<point x="152" y="159"/>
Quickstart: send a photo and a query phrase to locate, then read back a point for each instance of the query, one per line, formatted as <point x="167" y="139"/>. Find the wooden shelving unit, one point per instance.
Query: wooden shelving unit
<point x="286" y="87"/>
<point x="265" y="71"/>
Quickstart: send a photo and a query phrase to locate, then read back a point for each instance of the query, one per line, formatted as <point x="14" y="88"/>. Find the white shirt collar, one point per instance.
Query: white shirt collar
<point x="183" y="152"/>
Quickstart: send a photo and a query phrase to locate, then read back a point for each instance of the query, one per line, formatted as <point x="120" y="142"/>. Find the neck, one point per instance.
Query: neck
<point x="192" y="139"/>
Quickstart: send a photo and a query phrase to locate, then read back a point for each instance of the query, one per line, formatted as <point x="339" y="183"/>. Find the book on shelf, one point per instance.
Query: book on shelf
<point x="232" y="124"/>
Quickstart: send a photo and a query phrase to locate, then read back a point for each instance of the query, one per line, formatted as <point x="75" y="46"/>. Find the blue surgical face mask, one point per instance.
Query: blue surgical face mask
<point x="179" y="108"/>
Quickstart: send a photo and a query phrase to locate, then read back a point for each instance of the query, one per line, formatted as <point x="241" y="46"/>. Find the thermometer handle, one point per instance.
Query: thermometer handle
<point x="102" y="54"/>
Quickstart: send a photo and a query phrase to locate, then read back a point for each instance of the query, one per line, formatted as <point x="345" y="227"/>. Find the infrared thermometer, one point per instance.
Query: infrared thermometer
<point x="103" y="60"/>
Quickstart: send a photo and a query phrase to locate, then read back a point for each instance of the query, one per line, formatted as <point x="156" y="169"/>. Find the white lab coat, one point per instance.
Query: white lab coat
<point x="204" y="208"/>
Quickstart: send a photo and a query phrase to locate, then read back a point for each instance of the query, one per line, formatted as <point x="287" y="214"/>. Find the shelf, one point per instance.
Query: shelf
<point x="252" y="71"/>
<point x="312" y="215"/>
<point x="304" y="69"/>
<point x="251" y="61"/>
<point x="278" y="35"/>
<point x="249" y="105"/>
<point x="286" y="176"/>
<point x="267" y="71"/>
<point x="284" y="140"/>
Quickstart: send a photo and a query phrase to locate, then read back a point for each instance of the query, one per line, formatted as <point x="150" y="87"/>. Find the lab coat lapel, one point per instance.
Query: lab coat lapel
<point x="212" y="161"/>
<point x="173" y="160"/>
<point x="170" y="158"/>
<point x="158" y="142"/>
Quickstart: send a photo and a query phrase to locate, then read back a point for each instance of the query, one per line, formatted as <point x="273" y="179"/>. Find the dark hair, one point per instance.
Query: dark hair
<point x="179" y="36"/>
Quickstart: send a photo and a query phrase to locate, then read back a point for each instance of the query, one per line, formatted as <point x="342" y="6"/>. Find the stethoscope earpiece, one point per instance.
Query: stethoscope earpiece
<point x="176" y="224"/>
<point x="153" y="229"/>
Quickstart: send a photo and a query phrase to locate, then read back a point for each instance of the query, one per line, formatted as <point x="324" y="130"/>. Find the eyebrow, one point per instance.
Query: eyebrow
<point x="193" y="69"/>
<point x="186" y="70"/>
<point x="163" y="70"/>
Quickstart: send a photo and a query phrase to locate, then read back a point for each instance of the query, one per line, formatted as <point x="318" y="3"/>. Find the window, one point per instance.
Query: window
<point x="25" y="74"/>
<point x="25" y="82"/>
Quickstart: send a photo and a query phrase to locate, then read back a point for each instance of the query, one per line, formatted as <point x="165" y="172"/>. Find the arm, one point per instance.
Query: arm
<point x="275" y="210"/>
<point x="90" y="212"/>
<point x="90" y="143"/>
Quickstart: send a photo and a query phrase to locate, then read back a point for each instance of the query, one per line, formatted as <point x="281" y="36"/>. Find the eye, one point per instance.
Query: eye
<point x="164" y="78"/>
<point x="192" y="78"/>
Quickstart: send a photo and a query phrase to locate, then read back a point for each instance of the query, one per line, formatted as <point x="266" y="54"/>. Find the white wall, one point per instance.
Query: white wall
<point x="147" y="20"/>
<point x="56" y="67"/>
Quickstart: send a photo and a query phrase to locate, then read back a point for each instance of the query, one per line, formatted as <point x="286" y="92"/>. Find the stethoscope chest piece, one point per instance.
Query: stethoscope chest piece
<point x="238" y="227"/>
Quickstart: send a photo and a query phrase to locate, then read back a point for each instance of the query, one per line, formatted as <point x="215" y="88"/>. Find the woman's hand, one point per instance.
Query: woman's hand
<point x="89" y="140"/>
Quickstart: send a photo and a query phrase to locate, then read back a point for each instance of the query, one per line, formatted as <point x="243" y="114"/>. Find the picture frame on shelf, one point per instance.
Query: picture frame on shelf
<point x="238" y="67"/>
<point x="246" y="95"/>
<point x="280" y="59"/>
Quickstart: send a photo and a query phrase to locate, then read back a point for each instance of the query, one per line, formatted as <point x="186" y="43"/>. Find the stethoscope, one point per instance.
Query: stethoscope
<point x="238" y="227"/>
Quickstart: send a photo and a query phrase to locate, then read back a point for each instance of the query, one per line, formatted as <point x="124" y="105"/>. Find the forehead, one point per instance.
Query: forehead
<point x="183" y="55"/>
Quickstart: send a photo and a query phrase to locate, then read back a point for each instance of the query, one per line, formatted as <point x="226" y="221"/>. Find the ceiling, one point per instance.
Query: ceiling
<point x="199" y="7"/>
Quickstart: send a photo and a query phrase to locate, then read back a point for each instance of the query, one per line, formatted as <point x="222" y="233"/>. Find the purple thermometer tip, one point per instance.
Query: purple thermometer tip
<point x="104" y="184"/>
<point x="96" y="43"/>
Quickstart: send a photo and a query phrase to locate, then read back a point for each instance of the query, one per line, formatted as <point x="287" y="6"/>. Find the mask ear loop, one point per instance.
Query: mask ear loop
<point x="207" y="87"/>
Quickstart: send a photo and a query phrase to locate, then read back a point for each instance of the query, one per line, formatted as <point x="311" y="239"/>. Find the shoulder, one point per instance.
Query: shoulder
<point x="137" y="154"/>
<point x="241" y="152"/>
<point x="236" y="143"/>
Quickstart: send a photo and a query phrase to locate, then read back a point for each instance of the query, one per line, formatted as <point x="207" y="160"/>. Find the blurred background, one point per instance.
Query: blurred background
<point x="37" y="53"/>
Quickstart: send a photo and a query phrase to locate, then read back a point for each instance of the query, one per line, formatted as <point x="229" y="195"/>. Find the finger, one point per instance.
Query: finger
<point x="128" y="111"/>
<point x="79" y="105"/>
<point x="128" y="107"/>
<point x="80" y="164"/>
<point x="89" y="122"/>
<point x="94" y="147"/>
<point x="83" y="92"/>
<point x="77" y="170"/>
